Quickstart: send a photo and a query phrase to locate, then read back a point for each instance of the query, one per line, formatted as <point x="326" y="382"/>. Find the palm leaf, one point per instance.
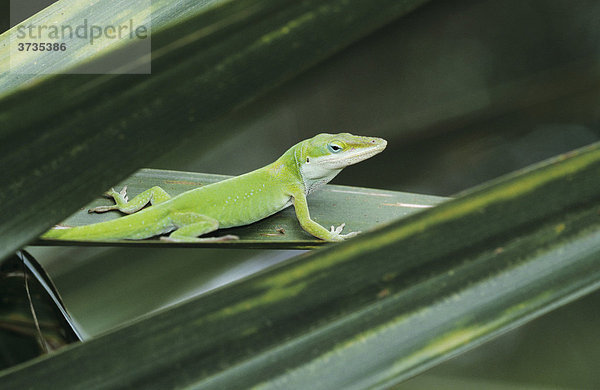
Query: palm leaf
<point x="360" y="208"/>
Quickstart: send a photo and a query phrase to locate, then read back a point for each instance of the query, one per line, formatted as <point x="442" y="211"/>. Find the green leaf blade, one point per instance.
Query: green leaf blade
<point x="361" y="209"/>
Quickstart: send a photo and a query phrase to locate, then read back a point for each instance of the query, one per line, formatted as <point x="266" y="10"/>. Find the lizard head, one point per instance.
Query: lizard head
<point x="322" y="157"/>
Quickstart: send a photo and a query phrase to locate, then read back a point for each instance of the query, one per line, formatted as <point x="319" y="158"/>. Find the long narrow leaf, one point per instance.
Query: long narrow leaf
<point x="371" y="311"/>
<point x="361" y="209"/>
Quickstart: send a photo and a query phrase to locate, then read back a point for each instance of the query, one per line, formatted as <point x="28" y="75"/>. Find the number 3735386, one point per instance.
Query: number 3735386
<point x="37" y="46"/>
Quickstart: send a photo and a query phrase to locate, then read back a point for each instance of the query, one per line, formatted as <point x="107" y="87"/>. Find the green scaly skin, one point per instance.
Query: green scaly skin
<point x="237" y="201"/>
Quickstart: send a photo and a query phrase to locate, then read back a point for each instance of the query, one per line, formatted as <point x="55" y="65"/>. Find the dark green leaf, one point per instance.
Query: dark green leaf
<point x="33" y="319"/>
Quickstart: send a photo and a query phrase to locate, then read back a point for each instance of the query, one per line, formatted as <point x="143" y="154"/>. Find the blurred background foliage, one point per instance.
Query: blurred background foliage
<point x="464" y="91"/>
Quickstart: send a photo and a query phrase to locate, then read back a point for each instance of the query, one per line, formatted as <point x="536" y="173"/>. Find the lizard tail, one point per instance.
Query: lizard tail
<point x="128" y="227"/>
<point x="80" y="233"/>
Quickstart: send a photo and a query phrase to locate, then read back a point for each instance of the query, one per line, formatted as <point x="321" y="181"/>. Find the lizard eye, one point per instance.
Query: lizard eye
<point x="334" y="148"/>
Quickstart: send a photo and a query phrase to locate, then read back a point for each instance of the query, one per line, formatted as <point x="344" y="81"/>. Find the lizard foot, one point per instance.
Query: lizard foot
<point x="337" y="236"/>
<point x="112" y="194"/>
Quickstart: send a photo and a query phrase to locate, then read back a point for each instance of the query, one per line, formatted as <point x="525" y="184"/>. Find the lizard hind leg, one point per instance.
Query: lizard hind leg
<point x="154" y="195"/>
<point x="191" y="225"/>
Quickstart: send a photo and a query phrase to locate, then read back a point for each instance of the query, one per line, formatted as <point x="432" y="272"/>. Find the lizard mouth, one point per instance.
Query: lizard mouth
<point x="354" y="156"/>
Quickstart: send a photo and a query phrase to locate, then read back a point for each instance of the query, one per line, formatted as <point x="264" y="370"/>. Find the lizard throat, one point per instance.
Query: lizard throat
<point x="314" y="177"/>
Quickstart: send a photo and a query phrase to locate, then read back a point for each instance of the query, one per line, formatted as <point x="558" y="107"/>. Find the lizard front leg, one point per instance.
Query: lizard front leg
<point x="154" y="195"/>
<point x="312" y="227"/>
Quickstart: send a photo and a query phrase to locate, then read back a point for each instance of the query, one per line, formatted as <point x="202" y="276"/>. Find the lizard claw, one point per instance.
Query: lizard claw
<point x="123" y="193"/>
<point x="109" y="193"/>
<point x="112" y="193"/>
<point x="350" y="235"/>
<point x="337" y="230"/>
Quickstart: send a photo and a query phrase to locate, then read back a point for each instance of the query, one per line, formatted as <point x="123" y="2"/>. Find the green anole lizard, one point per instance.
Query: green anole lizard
<point x="238" y="201"/>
